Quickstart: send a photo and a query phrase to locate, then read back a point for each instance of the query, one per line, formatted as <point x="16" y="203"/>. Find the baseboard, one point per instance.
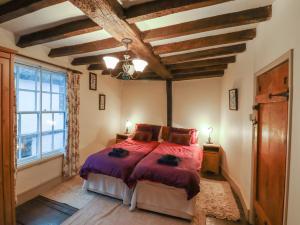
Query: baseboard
<point x="237" y="190"/>
<point x="28" y="195"/>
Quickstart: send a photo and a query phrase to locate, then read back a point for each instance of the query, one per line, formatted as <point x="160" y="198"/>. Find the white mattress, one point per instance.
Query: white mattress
<point x="110" y="186"/>
<point x="162" y="198"/>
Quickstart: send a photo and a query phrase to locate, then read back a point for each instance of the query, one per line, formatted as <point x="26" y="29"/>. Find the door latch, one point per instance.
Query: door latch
<point x="285" y="94"/>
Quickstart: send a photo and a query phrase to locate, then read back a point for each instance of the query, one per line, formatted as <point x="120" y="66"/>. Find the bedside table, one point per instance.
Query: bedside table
<point x="211" y="158"/>
<point x="121" y="137"/>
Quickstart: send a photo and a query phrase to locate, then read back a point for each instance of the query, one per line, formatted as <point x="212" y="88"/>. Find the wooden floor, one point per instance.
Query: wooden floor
<point x="43" y="211"/>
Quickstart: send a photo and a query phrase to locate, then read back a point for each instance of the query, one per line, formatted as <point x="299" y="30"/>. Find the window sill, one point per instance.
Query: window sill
<point x="39" y="162"/>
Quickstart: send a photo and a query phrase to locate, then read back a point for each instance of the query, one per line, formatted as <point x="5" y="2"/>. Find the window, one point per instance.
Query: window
<point x="41" y="112"/>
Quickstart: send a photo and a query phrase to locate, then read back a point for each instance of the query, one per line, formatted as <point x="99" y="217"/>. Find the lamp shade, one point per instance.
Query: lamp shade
<point x="110" y="62"/>
<point x="139" y="65"/>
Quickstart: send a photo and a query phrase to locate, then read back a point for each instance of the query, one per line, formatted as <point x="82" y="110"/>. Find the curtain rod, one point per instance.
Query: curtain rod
<point x="51" y="64"/>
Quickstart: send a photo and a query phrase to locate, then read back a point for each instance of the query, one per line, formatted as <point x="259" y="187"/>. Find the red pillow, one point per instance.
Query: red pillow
<point x="148" y="127"/>
<point x="142" y="136"/>
<point x="181" y="139"/>
<point x="192" y="132"/>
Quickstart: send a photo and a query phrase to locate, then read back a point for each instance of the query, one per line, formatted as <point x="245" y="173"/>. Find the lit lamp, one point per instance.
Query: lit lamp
<point x="111" y="62"/>
<point x="139" y="64"/>
<point x="210" y="130"/>
<point x="127" y="126"/>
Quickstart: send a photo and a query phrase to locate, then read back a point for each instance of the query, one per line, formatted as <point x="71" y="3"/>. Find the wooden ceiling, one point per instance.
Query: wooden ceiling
<point x="190" y="58"/>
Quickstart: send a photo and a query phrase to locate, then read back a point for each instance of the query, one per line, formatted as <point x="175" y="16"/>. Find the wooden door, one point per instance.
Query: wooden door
<point x="7" y="160"/>
<point x="271" y="151"/>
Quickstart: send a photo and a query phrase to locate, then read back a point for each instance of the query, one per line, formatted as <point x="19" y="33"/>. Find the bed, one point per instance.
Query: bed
<point x="109" y="175"/>
<point x="167" y="189"/>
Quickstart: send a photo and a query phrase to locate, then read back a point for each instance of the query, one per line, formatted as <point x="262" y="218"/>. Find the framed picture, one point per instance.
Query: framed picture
<point x="102" y="101"/>
<point x="93" y="81"/>
<point x="233" y="99"/>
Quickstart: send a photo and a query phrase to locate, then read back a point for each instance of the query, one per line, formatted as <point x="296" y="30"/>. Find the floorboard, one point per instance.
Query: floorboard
<point x="43" y="211"/>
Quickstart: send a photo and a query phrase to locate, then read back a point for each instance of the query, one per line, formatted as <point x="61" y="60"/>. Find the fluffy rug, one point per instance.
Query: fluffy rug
<point x="216" y="200"/>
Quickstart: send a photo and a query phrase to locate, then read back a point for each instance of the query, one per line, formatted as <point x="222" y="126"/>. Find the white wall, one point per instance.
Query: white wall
<point x="274" y="38"/>
<point x="144" y="102"/>
<point x="196" y="104"/>
<point x="97" y="128"/>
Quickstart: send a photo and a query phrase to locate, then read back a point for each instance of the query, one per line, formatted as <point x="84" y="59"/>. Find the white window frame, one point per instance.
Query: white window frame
<point x="40" y="155"/>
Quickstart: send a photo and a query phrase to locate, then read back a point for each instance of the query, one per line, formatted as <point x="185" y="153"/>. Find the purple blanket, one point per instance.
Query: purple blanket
<point x="101" y="163"/>
<point x="185" y="175"/>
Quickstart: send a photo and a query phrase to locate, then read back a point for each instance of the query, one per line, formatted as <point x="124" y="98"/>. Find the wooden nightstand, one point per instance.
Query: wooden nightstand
<point x="211" y="158"/>
<point x="121" y="137"/>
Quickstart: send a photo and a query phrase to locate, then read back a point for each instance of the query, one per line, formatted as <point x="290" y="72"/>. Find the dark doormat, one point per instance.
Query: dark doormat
<point x="43" y="211"/>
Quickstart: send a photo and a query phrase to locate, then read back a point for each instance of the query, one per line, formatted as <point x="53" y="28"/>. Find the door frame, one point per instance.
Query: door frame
<point x="288" y="56"/>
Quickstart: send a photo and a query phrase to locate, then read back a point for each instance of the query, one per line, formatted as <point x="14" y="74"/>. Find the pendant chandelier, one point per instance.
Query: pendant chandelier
<point x="130" y="67"/>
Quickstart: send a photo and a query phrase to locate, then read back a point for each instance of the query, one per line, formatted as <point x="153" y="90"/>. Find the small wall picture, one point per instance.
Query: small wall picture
<point x="93" y="81"/>
<point x="233" y="99"/>
<point x="102" y="101"/>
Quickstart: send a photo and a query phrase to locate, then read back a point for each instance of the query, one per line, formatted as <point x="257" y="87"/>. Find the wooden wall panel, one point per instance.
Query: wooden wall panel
<point x="7" y="150"/>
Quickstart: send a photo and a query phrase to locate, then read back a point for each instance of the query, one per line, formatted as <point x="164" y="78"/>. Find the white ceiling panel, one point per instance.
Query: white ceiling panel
<point x="53" y="15"/>
<point x="101" y="52"/>
<point x="80" y="39"/>
<point x="197" y="49"/>
<point x="203" y="34"/>
<point x="195" y="14"/>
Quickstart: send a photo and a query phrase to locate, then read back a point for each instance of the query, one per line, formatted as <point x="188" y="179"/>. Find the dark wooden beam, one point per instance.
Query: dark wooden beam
<point x="204" y="54"/>
<point x="169" y="103"/>
<point x="85" y="48"/>
<point x="109" y="15"/>
<point x="180" y="77"/>
<point x="200" y="69"/>
<point x="160" y="8"/>
<point x="66" y="30"/>
<point x="228" y="38"/>
<point x="17" y="8"/>
<point x="208" y="24"/>
<point x="203" y="63"/>
<point x="98" y="58"/>
<point x="97" y="67"/>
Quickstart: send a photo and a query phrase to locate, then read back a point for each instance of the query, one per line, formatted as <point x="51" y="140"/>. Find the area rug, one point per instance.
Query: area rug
<point x="104" y="211"/>
<point x="216" y="200"/>
<point x="70" y="192"/>
<point x="97" y="209"/>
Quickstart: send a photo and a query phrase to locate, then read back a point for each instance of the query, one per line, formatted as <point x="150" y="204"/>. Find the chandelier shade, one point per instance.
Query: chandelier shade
<point x="139" y="64"/>
<point x="111" y="62"/>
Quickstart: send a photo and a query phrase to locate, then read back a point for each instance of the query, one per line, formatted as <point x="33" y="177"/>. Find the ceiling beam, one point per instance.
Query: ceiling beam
<point x="160" y="8"/>
<point x="18" y="8"/>
<point x="200" y="69"/>
<point x="228" y="38"/>
<point x="208" y="24"/>
<point x="97" y="67"/>
<point x="66" y="30"/>
<point x="85" y="48"/>
<point x="233" y="49"/>
<point x="98" y="58"/>
<point x="203" y="63"/>
<point x="212" y="74"/>
<point x="110" y="16"/>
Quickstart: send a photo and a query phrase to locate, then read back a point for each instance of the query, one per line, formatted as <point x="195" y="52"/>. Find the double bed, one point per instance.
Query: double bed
<point x="138" y="179"/>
